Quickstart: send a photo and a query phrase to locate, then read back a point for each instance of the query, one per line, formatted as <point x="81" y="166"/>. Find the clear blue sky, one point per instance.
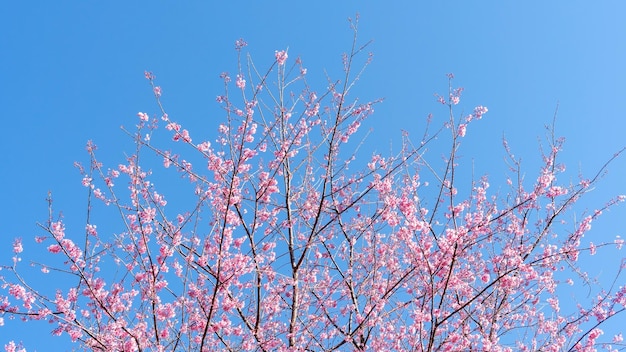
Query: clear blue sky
<point x="71" y="71"/>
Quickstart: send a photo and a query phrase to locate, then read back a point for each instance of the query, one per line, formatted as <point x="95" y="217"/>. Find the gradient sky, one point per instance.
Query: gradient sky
<point x="71" y="71"/>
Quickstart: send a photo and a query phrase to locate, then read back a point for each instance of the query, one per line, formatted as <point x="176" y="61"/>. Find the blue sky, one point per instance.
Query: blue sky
<point x="71" y="71"/>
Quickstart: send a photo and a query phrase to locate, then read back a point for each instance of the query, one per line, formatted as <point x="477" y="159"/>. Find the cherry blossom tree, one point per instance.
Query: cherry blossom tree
<point x="294" y="239"/>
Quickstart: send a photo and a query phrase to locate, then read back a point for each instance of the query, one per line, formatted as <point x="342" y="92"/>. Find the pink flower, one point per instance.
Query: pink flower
<point x="592" y="248"/>
<point x="556" y="191"/>
<point x="54" y="248"/>
<point x="143" y="116"/>
<point x="17" y="246"/>
<point x="479" y="111"/>
<point x="239" y="241"/>
<point x="462" y="130"/>
<point x="86" y="181"/>
<point x="173" y="126"/>
<point x="224" y="76"/>
<point x="554" y="303"/>
<point x="281" y="57"/>
<point x="91" y="229"/>
<point x="204" y="147"/>
<point x="75" y="334"/>
<point x="545" y="179"/>
<point x="619" y="242"/>
<point x="312" y="111"/>
<point x="167" y="161"/>
<point x="240" y="43"/>
<point x="485" y="277"/>
<point x="12" y="347"/>
<point x="593" y="335"/>
<point x="455" y="96"/>
<point x="165" y="311"/>
<point x="57" y="230"/>
<point x="240" y="82"/>
<point x="184" y="135"/>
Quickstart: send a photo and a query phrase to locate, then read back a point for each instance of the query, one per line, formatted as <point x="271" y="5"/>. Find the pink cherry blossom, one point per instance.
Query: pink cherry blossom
<point x="241" y="83"/>
<point x="143" y="116"/>
<point x="281" y="57"/>
<point x="282" y="233"/>
<point x="462" y="130"/>
<point x="17" y="246"/>
<point x="13" y="347"/>
<point x="240" y="43"/>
